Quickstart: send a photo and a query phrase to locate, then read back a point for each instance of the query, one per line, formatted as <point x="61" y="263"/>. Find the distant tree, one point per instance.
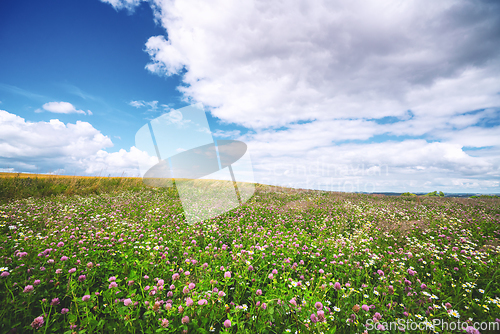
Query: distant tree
<point x="408" y="194"/>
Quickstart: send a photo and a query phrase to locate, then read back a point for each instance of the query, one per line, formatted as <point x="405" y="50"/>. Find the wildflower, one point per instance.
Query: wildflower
<point x="86" y="298"/>
<point x="258" y="292"/>
<point x="318" y="306"/>
<point x="321" y="316"/>
<point x="391" y="289"/>
<point x="64" y="258"/>
<point x="264" y="306"/>
<point x="189" y="301"/>
<point x="81" y="278"/>
<point x="293" y="302"/>
<point x="37" y="323"/>
<point x="127" y="302"/>
<point x="423" y="286"/>
<point x="28" y="288"/>
<point x="356" y="308"/>
<point x="112" y="285"/>
<point x="337" y="286"/>
<point x="365" y="308"/>
<point x="58" y="271"/>
<point x="90" y="265"/>
<point x="227" y="274"/>
<point x="36" y="282"/>
<point x="164" y="323"/>
<point x="270" y="276"/>
<point x="112" y="279"/>
<point x="60" y="244"/>
<point x="377" y="316"/>
<point x="160" y="282"/>
<point x="314" y="319"/>
<point x="191" y="286"/>
<point x="72" y="270"/>
<point x="227" y="323"/>
<point x="5" y="274"/>
<point x="64" y="311"/>
<point x="222" y="293"/>
<point x="202" y="302"/>
<point x="176" y="276"/>
<point x="336" y="309"/>
<point x="454" y="313"/>
<point x="185" y="320"/>
<point x="275" y="272"/>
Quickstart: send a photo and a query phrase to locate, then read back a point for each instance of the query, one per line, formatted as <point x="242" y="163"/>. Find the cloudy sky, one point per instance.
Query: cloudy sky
<point x="375" y="96"/>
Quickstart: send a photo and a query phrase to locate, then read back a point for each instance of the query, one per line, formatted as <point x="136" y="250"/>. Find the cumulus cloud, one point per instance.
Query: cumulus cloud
<point x="62" y="108"/>
<point x="408" y="84"/>
<point x="71" y="148"/>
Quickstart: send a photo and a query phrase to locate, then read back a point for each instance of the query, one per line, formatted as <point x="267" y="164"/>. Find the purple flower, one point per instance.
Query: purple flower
<point x="259" y="292"/>
<point x="86" y="298"/>
<point x="314" y="319"/>
<point x="270" y="276"/>
<point x="37" y="323"/>
<point x="185" y="320"/>
<point x="337" y="286"/>
<point x="164" y="323"/>
<point x="205" y="265"/>
<point x="189" y="301"/>
<point x="222" y="293"/>
<point x="293" y="302"/>
<point x="423" y="286"/>
<point x="202" y="302"/>
<point x="64" y="311"/>
<point x="227" y="274"/>
<point x="411" y="272"/>
<point x="58" y="271"/>
<point x="82" y="278"/>
<point x="64" y="258"/>
<point x="36" y="282"/>
<point x="60" y="244"/>
<point x="5" y="274"/>
<point x="264" y="306"/>
<point x="377" y="316"/>
<point x="176" y="276"/>
<point x="275" y="272"/>
<point x="146" y="288"/>
<point x="112" y="285"/>
<point x="192" y="286"/>
<point x="112" y="279"/>
<point x="28" y="288"/>
<point x="72" y="270"/>
<point x="227" y="323"/>
<point x="160" y="282"/>
<point x="55" y="301"/>
<point x="185" y="290"/>
<point x="127" y="302"/>
<point x="365" y="308"/>
<point x="318" y="306"/>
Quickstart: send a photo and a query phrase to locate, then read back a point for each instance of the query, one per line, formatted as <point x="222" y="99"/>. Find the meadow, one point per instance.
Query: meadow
<point x="123" y="260"/>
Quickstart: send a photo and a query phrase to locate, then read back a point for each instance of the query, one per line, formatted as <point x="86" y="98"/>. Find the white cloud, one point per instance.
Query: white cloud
<point x="61" y="108"/>
<point x="124" y="4"/>
<point x="264" y="64"/>
<point x="54" y="145"/>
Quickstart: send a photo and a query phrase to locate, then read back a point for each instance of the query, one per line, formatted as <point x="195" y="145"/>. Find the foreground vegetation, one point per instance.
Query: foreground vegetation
<point x="286" y="261"/>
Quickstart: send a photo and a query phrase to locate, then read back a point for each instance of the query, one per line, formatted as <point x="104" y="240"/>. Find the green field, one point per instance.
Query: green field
<point x="113" y="256"/>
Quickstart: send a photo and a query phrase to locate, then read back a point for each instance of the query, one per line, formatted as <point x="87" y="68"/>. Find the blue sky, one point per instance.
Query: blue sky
<point x="359" y="96"/>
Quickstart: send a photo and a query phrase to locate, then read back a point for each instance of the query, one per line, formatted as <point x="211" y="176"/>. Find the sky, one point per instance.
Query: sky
<point x="366" y="96"/>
